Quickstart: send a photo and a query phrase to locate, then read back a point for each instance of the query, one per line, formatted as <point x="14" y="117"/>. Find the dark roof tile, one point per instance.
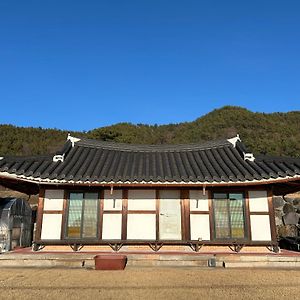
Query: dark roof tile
<point x="97" y="161"/>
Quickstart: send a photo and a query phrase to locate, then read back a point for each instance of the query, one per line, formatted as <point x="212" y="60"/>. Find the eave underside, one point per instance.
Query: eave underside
<point x="279" y="187"/>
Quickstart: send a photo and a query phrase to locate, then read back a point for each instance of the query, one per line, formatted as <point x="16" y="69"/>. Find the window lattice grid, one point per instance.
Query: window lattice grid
<point x="222" y="228"/>
<point x="75" y="215"/>
<point x="82" y="215"/>
<point x="90" y="215"/>
<point x="229" y="216"/>
<point x="237" y="218"/>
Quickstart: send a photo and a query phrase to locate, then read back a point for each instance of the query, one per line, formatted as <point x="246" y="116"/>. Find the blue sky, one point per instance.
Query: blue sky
<point x="83" y="64"/>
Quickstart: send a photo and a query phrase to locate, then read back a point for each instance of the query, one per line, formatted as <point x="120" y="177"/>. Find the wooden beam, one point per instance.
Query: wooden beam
<point x="53" y="212"/>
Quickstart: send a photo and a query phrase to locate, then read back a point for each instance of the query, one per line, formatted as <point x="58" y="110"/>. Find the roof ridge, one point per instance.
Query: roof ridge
<point x="151" y="147"/>
<point x="28" y="157"/>
<point x="269" y="157"/>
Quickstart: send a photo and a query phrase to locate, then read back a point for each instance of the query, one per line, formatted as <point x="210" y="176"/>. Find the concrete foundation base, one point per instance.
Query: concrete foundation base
<point x="287" y="259"/>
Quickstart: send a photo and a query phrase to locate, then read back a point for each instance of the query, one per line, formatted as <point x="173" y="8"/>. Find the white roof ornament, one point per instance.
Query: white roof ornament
<point x="249" y="156"/>
<point x="1" y="158"/>
<point x="58" y="157"/>
<point x="72" y="139"/>
<point x="234" y="140"/>
<point x="61" y="157"/>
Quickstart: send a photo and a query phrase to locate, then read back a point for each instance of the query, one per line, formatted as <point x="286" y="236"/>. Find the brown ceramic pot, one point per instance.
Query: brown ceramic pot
<point x="110" y="262"/>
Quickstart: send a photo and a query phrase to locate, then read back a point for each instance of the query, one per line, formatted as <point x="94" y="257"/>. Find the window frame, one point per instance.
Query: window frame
<point x="82" y="216"/>
<point x="246" y="234"/>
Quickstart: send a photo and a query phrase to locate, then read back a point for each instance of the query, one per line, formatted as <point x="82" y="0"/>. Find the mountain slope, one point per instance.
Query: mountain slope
<point x="276" y="133"/>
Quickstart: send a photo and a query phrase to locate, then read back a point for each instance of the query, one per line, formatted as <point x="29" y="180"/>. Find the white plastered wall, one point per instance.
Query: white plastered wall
<point x="260" y="228"/>
<point x="141" y="227"/>
<point x="51" y="227"/>
<point x="200" y="227"/>
<point x="113" y="200"/>
<point x="112" y="227"/>
<point x="198" y="201"/>
<point x="141" y="200"/>
<point x="258" y="201"/>
<point x="260" y="224"/>
<point x="54" y="200"/>
<point x="51" y="224"/>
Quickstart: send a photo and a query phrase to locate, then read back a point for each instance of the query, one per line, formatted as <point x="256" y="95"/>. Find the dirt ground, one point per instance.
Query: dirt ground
<point x="146" y="283"/>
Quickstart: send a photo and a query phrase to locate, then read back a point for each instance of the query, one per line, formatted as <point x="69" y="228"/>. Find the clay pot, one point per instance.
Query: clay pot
<point x="110" y="262"/>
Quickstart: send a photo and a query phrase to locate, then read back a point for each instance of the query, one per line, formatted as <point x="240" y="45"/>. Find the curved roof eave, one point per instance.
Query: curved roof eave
<point x="40" y="181"/>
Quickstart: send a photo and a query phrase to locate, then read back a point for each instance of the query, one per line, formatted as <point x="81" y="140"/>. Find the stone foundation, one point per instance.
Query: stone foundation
<point x="284" y="206"/>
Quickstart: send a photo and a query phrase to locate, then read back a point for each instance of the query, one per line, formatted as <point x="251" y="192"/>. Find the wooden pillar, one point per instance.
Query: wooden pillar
<point x="157" y="213"/>
<point x="64" y="215"/>
<point x="39" y="219"/>
<point x="101" y="204"/>
<point x="185" y="215"/>
<point x="211" y="215"/>
<point x="124" y="214"/>
<point x="247" y="216"/>
<point x="272" y="216"/>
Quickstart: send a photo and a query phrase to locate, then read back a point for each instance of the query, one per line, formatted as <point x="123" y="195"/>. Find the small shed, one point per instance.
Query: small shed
<point x="15" y="224"/>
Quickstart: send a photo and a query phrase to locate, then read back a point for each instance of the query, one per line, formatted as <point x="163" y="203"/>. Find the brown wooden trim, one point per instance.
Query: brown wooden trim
<point x="247" y="212"/>
<point x="64" y="216"/>
<point x="262" y="213"/>
<point x="241" y="189"/>
<point x="143" y="212"/>
<point x="228" y="242"/>
<point x="49" y="212"/>
<point x="112" y="211"/>
<point x="182" y="215"/>
<point x="101" y="204"/>
<point x="185" y="217"/>
<point x="272" y="216"/>
<point x="124" y="214"/>
<point x="211" y="214"/>
<point x="157" y="196"/>
<point x="199" y="212"/>
<point x="39" y="220"/>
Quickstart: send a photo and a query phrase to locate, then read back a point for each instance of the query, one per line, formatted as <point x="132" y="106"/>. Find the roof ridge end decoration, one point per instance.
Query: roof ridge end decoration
<point x="247" y="155"/>
<point x="72" y="139"/>
<point x="234" y="140"/>
<point x="60" y="156"/>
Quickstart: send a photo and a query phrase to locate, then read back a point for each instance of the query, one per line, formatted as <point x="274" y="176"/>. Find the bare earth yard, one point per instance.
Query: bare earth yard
<point x="138" y="283"/>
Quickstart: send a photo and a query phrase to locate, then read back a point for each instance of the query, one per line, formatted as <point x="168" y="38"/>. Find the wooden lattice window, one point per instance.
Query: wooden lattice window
<point x="82" y="217"/>
<point x="229" y="215"/>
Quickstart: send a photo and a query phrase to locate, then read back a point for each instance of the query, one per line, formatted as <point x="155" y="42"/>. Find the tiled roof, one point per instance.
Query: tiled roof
<point x="91" y="161"/>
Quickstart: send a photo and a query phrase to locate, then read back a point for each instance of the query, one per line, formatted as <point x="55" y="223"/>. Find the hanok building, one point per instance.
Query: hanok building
<point x="102" y="193"/>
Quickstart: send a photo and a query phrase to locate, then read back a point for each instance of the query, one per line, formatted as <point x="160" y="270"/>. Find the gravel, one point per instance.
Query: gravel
<point x="143" y="283"/>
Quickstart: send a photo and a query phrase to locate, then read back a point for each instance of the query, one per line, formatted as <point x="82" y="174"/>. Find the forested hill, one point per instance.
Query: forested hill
<point x="276" y="133"/>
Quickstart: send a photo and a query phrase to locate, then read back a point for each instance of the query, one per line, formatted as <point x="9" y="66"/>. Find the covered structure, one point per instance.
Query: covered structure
<point x="15" y="224"/>
<point x="101" y="193"/>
